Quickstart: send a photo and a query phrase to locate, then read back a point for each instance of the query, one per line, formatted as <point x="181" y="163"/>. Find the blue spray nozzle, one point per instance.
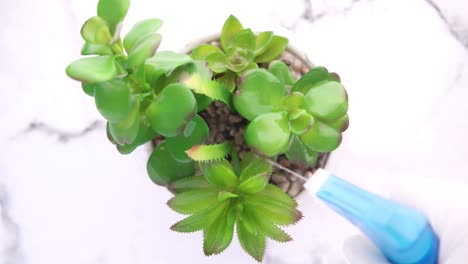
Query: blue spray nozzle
<point x="403" y="234"/>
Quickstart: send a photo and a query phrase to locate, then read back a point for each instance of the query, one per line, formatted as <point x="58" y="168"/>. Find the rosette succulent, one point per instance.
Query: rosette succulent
<point x="146" y="94"/>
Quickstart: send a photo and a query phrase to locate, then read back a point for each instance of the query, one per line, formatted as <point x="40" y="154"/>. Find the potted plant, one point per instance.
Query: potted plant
<point x="219" y="117"/>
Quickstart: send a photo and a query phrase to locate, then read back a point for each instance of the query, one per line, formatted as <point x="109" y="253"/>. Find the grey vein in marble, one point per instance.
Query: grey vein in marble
<point x="62" y="136"/>
<point x="10" y="251"/>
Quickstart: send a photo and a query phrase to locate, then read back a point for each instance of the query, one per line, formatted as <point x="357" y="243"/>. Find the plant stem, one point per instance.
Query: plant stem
<point x="287" y="170"/>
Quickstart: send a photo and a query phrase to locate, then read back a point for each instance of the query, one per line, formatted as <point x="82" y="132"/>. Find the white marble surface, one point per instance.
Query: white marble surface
<point x="67" y="196"/>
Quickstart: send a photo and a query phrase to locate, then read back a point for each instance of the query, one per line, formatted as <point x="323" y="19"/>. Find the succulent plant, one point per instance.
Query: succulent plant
<point x="145" y="94"/>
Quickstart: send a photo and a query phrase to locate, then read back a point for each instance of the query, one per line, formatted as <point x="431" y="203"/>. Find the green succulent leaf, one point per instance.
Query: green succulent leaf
<point x="229" y="80"/>
<point x="88" y="88"/>
<point x="204" y="153"/>
<point x="268" y="134"/>
<point x="164" y="62"/>
<point x="300" y="121"/>
<point x="262" y="42"/>
<point x="327" y="101"/>
<point x="203" y="101"/>
<point x="273" y="194"/>
<point x="340" y="124"/>
<point x="95" y="49"/>
<point x="252" y="241"/>
<point x="230" y="28"/>
<point x="194" y="133"/>
<point x="217" y="62"/>
<point x="163" y="168"/>
<point x="113" y="11"/>
<point x="96" y="31"/>
<point x="277" y="46"/>
<point x="143" y="49"/>
<point x="145" y="134"/>
<point x="225" y="195"/>
<point x="194" y="201"/>
<point x="218" y="236"/>
<point x="254" y="184"/>
<point x="93" y="69"/>
<point x="252" y="165"/>
<point x="140" y="30"/>
<point x="298" y="152"/>
<point x="259" y="92"/>
<point x="277" y="213"/>
<point x="203" y="51"/>
<point x="266" y="227"/>
<point x="292" y="102"/>
<point x="164" y="117"/>
<point x="113" y="99"/>
<point x="282" y="72"/>
<point x="200" y="220"/>
<point x="126" y="131"/>
<point x="244" y="39"/>
<point x="220" y="174"/>
<point x="321" y="137"/>
<point x="189" y="184"/>
<point x="311" y="79"/>
<point x="238" y="59"/>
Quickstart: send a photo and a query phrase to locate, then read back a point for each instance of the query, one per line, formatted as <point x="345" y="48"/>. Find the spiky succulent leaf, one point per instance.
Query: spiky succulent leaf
<point x="252" y="165"/>
<point x="231" y="26"/>
<point x="259" y="92"/>
<point x="193" y="201"/>
<point x="311" y="79"/>
<point x="164" y="117"/>
<point x="95" y="49"/>
<point x="200" y="220"/>
<point x="277" y="213"/>
<point x="271" y="193"/>
<point x="205" y="153"/>
<point x="268" y="134"/>
<point x="163" y="168"/>
<point x="96" y="31"/>
<point x="340" y="124"/>
<point x="218" y="236"/>
<point x="189" y="184"/>
<point x="164" y="62"/>
<point x="327" y="101"/>
<point x="254" y="184"/>
<point x="126" y="131"/>
<point x="204" y="50"/>
<point x="93" y="69"/>
<point x="143" y="49"/>
<point x="113" y="11"/>
<point x="194" y="133"/>
<point x="282" y="72"/>
<point x="266" y="227"/>
<point x="220" y="174"/>
<point x="300" y="121"/>
<point x="113" y="99"/>
<point x="140" y="30"/>
<point x="262" y="42"/>
<point x="321" y="137"/>
<point x="225" y="195"/>
<point x="244" y="39"/>
<point x="298" y="152"/>
<point x="277" y="46"/>
<point x="251" y="240"/>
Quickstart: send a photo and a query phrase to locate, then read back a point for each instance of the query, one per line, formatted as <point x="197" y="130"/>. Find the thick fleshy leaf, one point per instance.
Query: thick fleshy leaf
<point x="194" y="201"/>
<point x="218" y="236"/>
<point x="113" y="99"/>
<point x="266" y="227"/>
<point x="311" y="79"/>
<point x="230" y="28"/>
<point x="327" y="101"/>
<point x="277" y="46"/>
<point x="277" y="213"/>
<point x="172" y="110"/>
<point x="300" y="121"/>
<point x="244" y="39"/>
<point x="88" y="88"/>
<point x="143" y="49"/>
<point x="204" y="50"/>
<point x="140" y="30"/>
<point x="164" y="62"/>
<point x="292" y="102"/>
<point x="93" y="69"/>
<point x="271" y="193"/>
<point x="321" y="137"/>
<point x="268" y="134"/>
<point x="217" y="62"/>
<point x="203" y="101"/>
<point x="254" y="184"/>
<point x="163" y="168"/>
<point x="194" y="133"/>
<point x="145" y="134"/>
<point x="259" y="92"/>
<point x="282" y="72"/>
<point x="228" y="80"/>
<point x="113" y="11"/>
<point x="340" y="124"/>
<point x="96" y="31"/>
<point x="262" y="42"/>
<point x="298" y="152"/>
<point x="189" y="184"/>
<point x="252" y="241"/>
<point x="238" y="59"/>
<point x="220" y="174"/>
<point x="126" y="131"/>
<point x="200" y="220"/>
<point x="95" y="49"/>
<point x="252" y="165"/>
<point x="204" y="153"/>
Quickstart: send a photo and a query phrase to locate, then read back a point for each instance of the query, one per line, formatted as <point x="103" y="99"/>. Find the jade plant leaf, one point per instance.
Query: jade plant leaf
<point x="298" y="152"/>
<point x="164" y="62"/>
<point x="143" y="49"/>
<point x="220" y="174"/>
<point x="204" y="50"/>
<point x="218" y="236"/>
<point x="163" y="168"/>
<point x="194" y="133"/>
<point x="268" y="134"/>
<point x="244" y="39"/>
<point x="113" y="99"/>
<point x="140" y="30"/>
<point x="204" y="153"/>
<point x="230" y="28"/>
<point x="311" y="79"/>
<point x="190" y="202"/>
<point x="292" y="102"/>
<point x="259" y="92"/>
<point x="113" y="11"/>
<point x="88" y="88"/>
<point x="95" y="49"/>
<point x="251" y="239"/>
<point x="93" y="69"/>
<point x="164" y="117"/>
<point x="262" y="42"/>
<point x="321" y="137"/>
<point x="189" y="184"/>
<point x="340" y="124"/>
<point x="277" y="46"/>
<point x="282" y="72"/>
<point x="96" y="31"/>
<point x="126" y="131"/>
<point x="200" y="220"/>
<point x="300" y="121"/>
<point x="327" y="101"/>
<point x="203" y="101"/>
<point x="145" y="134"/>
